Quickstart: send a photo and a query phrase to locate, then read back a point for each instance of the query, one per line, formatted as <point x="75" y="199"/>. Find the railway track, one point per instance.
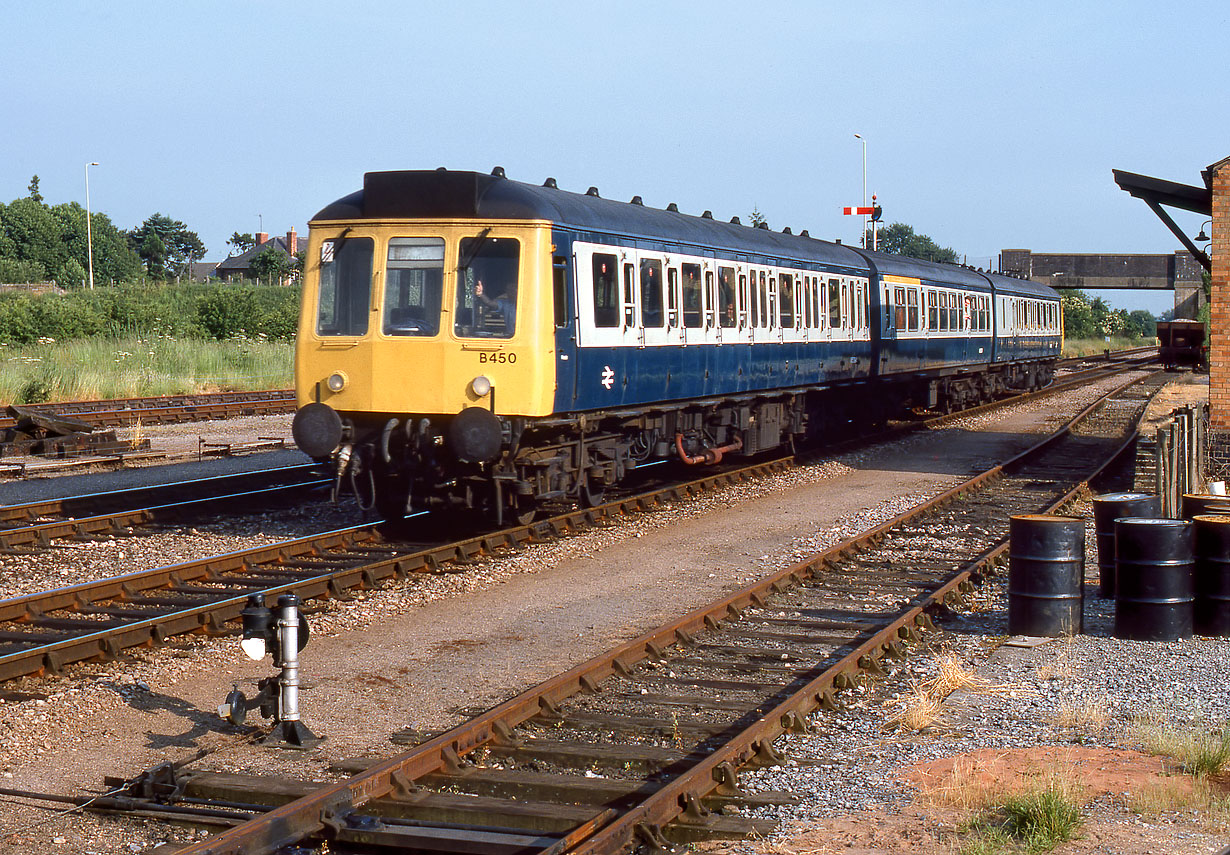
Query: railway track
<point x="169" y="409"/>
<point x="666" y="719"/>
<point x="31" y="527"/>
<point x="44" y="632"/>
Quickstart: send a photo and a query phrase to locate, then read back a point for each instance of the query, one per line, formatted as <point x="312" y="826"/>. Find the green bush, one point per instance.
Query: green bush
<point x="180" y="311"/>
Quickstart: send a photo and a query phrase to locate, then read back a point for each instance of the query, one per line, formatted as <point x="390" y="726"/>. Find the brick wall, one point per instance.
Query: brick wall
<point x="1219" y="326"/>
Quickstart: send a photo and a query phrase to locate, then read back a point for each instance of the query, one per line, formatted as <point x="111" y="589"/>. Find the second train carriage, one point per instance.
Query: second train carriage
<point x="468" y="340"/>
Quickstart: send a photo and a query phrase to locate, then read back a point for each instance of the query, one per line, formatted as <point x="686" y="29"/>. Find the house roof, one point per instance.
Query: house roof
<point x="244" y="260"/>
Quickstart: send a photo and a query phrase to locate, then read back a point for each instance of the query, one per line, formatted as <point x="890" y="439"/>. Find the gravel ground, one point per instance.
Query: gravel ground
<point x="422" y="653"/>
<point x="1068" y="706"/>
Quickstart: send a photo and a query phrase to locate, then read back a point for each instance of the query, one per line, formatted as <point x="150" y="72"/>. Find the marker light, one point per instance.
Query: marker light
<point x="336" y="382"/>
<point x="481" y="386"/>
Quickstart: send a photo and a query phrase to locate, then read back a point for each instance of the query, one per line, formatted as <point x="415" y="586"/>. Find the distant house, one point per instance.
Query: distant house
<point x="240" y="266"/>
<point x="202" y="271"/>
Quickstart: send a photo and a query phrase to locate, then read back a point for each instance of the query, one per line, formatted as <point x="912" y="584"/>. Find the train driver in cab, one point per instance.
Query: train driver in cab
<point x="496" y="310"/>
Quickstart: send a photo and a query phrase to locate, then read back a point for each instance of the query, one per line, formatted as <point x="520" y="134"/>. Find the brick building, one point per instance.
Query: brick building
<point x="1218" y="179"/>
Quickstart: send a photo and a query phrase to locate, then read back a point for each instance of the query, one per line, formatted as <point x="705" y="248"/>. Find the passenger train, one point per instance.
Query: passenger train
<point x="471" y="341"/>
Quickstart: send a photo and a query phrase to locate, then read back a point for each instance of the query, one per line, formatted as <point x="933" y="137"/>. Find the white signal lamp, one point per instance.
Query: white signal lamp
<point x="481" y="386"/>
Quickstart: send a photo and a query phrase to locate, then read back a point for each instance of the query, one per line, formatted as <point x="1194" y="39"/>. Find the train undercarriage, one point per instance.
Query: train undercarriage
<point x="508" y="468"/>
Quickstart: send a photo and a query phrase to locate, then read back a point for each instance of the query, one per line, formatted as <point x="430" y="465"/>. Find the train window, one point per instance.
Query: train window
<point x="672" y="298"/>
<point x="765" y="303"/>
<point x="835" y="305"/>
<point x="911" y="299"/>
<point x="933" y="312"/>
<point x="743" y="300"/>
<point x="888" y="311"/>
<point x="785" y="290"/>
<point x="944" y="296"/>
<point x="629" y="295"/>
<point x="414" y="285"/>
<point x="693" y="302"/>
<point x="559" y="280"/>
<point x="755" y="293"/>
<point x="345" y="286"/>
<point x="486" y="288"/>
<point x="899" y="303"/>
<point x="726" y="296"/>
<point x="768" y="301"/>
<point x="710" y="300"/>
<point x="954" y="307"/>
<point x="651" y="293"/>
<point x="809" y="304"/>
<point x="606" y="291"/>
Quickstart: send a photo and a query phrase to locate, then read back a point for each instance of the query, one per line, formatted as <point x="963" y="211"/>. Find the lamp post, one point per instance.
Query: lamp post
<point x="863" y="237"/>
<point x="89" y="231"/>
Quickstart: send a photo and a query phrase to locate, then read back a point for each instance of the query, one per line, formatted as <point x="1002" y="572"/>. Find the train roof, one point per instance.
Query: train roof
<point x="1021" y="287"/>
<point x="445" y="194"/>
<point x="915" y="268"/>
<point x="452" y="194"/>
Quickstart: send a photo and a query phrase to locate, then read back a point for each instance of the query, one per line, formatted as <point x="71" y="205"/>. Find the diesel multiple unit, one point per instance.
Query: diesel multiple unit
<point x="470" y="341"/>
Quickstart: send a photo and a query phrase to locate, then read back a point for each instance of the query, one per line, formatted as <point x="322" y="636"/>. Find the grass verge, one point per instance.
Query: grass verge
<point x="98" y="368"/>
<point x="1092" y="346"/>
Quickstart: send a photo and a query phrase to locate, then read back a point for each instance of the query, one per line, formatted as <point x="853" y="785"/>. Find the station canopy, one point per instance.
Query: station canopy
<point x="1157" y="193"/>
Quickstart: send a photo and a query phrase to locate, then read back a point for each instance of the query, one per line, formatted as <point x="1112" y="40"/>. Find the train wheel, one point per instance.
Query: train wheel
<point x="592" y="493"/>
<point x="524" y="509"/>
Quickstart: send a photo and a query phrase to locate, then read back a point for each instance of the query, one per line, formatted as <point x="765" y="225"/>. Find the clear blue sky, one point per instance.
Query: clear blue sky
<point x="989" y="125"/>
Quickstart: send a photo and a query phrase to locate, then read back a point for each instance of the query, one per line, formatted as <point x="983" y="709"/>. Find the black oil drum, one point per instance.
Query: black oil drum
<point x="1211" y="584"/>
<point x="1106" y="509"/>
<point x="1153" y="579"/>
<point x="1046" y="570"/>
<point x="1197" y="504"/>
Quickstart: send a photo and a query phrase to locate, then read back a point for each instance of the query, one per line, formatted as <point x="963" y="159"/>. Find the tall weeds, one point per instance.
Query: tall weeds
<point x="96" y="368"/>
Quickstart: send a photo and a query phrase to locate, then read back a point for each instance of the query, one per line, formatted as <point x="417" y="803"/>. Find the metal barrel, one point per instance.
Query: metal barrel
<point x="1153" y="579"/>
<point x="1046" y="570"/>
<point x="1106" y="509"/>
<point x="1197" y="504"/>
<point x="1211" y="584"/>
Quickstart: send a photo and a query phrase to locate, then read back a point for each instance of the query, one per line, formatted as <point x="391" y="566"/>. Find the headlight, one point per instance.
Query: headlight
<point x="336" y="382"/>
<point x="480" y="386"/>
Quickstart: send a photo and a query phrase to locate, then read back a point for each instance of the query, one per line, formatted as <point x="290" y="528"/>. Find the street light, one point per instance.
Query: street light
<point x="89" y="232"/>
<point x="863" y="237"/>
<point x="1202" y="237"/>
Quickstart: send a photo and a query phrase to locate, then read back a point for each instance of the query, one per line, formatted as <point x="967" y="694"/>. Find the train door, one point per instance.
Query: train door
<point x="608" y="329"/>
<point x="564" y="304"/>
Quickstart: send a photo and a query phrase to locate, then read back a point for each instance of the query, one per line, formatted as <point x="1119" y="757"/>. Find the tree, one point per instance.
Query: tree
<point x="180" y="247"/>
<point x="34" y="193"/>
<point x="271" y="265"/>
<point x="241" y="242"/>
<point x="1077" y="314"/>
<point x="32" y="233"/>
<point x="72" y="275"/>
<point x="757" y="218"/>
<point x="114" y="260"/>
<point x="154" y="252"/>
<point x="900" y="239"/>
<point x="1142" y="324"/>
